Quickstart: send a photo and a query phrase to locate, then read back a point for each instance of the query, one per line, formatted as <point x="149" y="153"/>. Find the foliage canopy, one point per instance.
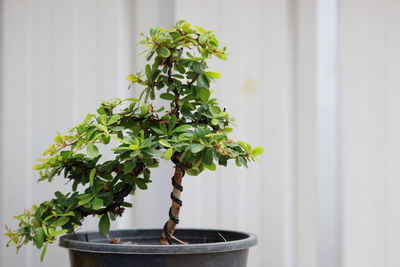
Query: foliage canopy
<point x="194" y="127"/>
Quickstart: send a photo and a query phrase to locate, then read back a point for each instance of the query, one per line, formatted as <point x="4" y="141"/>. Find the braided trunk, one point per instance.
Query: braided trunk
<point x="167" y="236"/>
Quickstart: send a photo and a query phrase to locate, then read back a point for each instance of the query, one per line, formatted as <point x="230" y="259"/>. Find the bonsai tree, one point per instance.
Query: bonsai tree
<point x="191" y="131"/>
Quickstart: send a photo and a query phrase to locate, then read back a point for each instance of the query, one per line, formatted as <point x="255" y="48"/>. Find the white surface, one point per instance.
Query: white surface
<point x="312" y="81"/>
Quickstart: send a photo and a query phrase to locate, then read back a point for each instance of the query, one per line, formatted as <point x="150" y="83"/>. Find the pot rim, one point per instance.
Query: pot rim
<point x="78" y="241"/>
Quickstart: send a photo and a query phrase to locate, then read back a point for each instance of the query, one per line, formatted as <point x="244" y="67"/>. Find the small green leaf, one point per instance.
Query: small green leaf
<point x="213" y="75"/>
<point x="103" y="119"/>
<point x="102" y="128"/>
<point x="131" y="78"/>
<point x="60" y="221"/>
<point x="91" y="176"/>
<point x="154" y="31"/>
<point x="53" y="232"/>
<point x="58" y="139"/>
<point x="130" y="165"/>
<point x="204" y="94"/>
<point x="126" y="204"/>
<point x="164" y="143"/>
<point x="214" y="121"/>
<point x="92" y="150"/>
<point x="148" y="71"/>
<point x="43" y="251"/>
<point x="39" y="238"/>
<point x="196" y="148"/>
<point x="157" y="130"/>
<point x="168" y="153"/>
<point x="141" y="183"/>
<point x="207" y="157"/>
<point x="167" y="96"/>
<point x="202" y="81"/>
<point x="163" y="128"/>
<point x="85" y="200"/>
<point x="211" y="167"/>
<point x="186" y="27"/>
<point x="97" y="203"/>
<point x="182" y="128"/>
<point x="104" y="224"/>
<point x="198" y="67"/>
<point x="203" y="38"/>
<point x="113" y="119"/>
<point x="257" y="151"/>
<point x="163" y="52"/>
<point x="172" y="122"/>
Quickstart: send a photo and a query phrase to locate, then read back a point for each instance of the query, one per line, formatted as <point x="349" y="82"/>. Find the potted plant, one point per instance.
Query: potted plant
<point x="191" y="130"/>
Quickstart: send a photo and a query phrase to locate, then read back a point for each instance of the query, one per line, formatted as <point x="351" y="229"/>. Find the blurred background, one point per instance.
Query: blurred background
<point x="315" y="82"/>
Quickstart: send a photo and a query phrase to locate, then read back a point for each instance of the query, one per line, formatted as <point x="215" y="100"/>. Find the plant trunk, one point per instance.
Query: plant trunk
<point x="167" y="236"/>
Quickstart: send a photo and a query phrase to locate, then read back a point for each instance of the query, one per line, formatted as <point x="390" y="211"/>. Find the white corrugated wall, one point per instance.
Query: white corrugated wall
<point x="314" y="82"/>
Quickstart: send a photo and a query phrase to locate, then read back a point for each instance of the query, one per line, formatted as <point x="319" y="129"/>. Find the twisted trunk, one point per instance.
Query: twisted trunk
<point x="167" y="236"/>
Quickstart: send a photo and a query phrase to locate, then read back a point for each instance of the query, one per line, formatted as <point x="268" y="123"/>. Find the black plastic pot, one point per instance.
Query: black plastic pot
<point x="141" y="248"/>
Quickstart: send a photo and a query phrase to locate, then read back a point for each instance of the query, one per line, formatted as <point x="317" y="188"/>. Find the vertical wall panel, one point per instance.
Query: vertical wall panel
<point x="391" y="141"/>
<point x="362" y="76"/>
<point x="60" y="59"/>
<point x="257" y="88"/>
<point x="15" y="148"/>
<point x="370" y="102"/>
<point x="305" y="134"/>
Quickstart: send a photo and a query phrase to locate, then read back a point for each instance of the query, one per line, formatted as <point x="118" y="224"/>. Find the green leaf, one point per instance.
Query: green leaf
<point x="167" y="96"/>
<point x="245" y="146"/>
<point x="91" y="176"/>
<point x="92" y="150"/>
<point x="198" y="67"/>
<point x="182" y="128"/>
<point x="257" y="151"/>
<point x="204" y="94"/>
<point x="104" y="224"/>
<point x="214" y="121"/>
<point x="164" y="143"/>
<point x="148" y="71"/>
<point x="126" y="204"/>
<point x="85" y="200"/>
<point x="103" y="119"/>
<point x="130" y="165"/>
<point x="211" y="167"/>
<point x="203" y="38"/>
<point x="43" y="251"/>
<point x="58" y="139"/>
<point x="53" y="232"/>
<point x="168" y="153"/>
<point x="102" y="128"/>
<point x="154" y="31"/>
<point x="207" y="157"/>
<point x="141" y="183"/>
<point x="196" y="148"/>
<point x="97" y="203"/>
<point x="163" y="128"/>
<point x="186" y="27"/>
<point x="172" y="122"/>
<point x="202" y="81"/>
<point x="113" y="119"/>
<point x="163" y="52"/>
<point x="60" y="221"/>
<point x="39" y="237"/>
<point x="213" y="75"/>
<point x="131" y="78"/>
<point x="157" y="130"/>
